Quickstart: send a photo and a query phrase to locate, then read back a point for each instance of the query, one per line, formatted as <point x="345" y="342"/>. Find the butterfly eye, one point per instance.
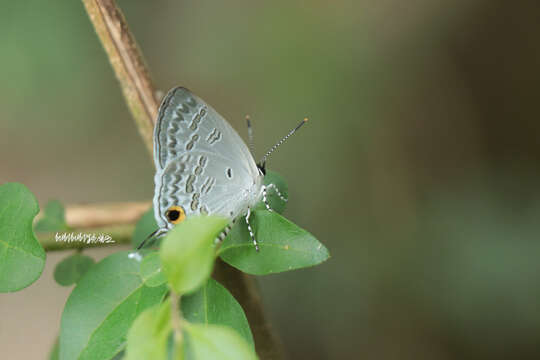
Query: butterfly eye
<point x="175" y="214"/>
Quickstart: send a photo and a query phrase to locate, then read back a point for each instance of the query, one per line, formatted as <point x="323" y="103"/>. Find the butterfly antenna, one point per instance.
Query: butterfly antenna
<point x="273" y="148"/>
<point x="250" y="135"/>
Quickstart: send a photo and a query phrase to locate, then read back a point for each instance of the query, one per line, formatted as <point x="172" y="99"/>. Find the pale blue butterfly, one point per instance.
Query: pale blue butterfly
<point x="203" y="166"/>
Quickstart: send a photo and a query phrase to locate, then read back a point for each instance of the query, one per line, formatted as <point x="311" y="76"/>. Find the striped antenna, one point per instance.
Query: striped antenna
<point x="273" y="148"/>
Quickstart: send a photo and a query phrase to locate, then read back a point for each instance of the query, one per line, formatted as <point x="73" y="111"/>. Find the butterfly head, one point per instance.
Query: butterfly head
<point x="262" y="168"/>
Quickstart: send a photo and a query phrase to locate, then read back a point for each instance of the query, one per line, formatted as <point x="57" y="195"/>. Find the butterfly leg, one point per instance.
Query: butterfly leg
<point x="222" y="235"/>
<point x="251" y="230"/>
<point x="276" y="190"/>
<point x="265" y="199"/>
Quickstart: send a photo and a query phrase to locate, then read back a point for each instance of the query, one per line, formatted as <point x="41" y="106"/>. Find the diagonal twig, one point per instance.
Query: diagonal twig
<point x="128" y="64"/>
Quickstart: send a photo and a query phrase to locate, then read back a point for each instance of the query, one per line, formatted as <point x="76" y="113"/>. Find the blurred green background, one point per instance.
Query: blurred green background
<point x="419" y="168"/>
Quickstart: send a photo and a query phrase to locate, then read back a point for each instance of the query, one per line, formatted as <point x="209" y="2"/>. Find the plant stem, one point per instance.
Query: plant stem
<point x="104" y="214"/>
<point x="128" y="64"/>
<point x="176" y="317"/>
<point x="244" y="289"/>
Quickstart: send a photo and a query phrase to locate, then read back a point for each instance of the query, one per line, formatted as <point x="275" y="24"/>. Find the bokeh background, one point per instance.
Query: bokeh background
<point x="419" y="168"/>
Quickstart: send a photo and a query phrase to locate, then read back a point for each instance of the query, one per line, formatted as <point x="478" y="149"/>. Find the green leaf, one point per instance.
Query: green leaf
<point x="55" y="351"/>
<point x="211" y="342"/>
<point x="21" y="256"/>
<point x="53" y="218"/>
<point x="187" y="252"/>
<point x="72" y="268"/>
<point x="102" y="307"/>
<point x="151" y="271"/>
<point x="144" y="227"/>
<point x="119" y="356"/>
<point x="276" y="203"/>
<point x="148" y="336"/>
<point x="212" y="304"/>
<point x="283" y="246"/>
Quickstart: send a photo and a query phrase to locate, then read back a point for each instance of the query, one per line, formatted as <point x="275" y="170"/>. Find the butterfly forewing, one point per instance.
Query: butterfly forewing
<point x="202" y="163"/>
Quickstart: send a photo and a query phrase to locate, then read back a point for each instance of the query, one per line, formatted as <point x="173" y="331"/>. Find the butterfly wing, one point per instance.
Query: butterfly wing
<point x="202" y="164"/>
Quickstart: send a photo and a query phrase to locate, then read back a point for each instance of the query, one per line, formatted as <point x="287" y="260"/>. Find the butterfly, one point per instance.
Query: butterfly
<point x="203" y="167"/>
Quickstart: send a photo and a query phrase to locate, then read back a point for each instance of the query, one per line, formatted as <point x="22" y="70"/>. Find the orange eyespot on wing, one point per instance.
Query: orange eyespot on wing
<point x="175" y="214"/>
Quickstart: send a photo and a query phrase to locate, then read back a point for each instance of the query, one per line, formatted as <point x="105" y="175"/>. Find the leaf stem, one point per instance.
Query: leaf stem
<point x="176" y="318"/>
